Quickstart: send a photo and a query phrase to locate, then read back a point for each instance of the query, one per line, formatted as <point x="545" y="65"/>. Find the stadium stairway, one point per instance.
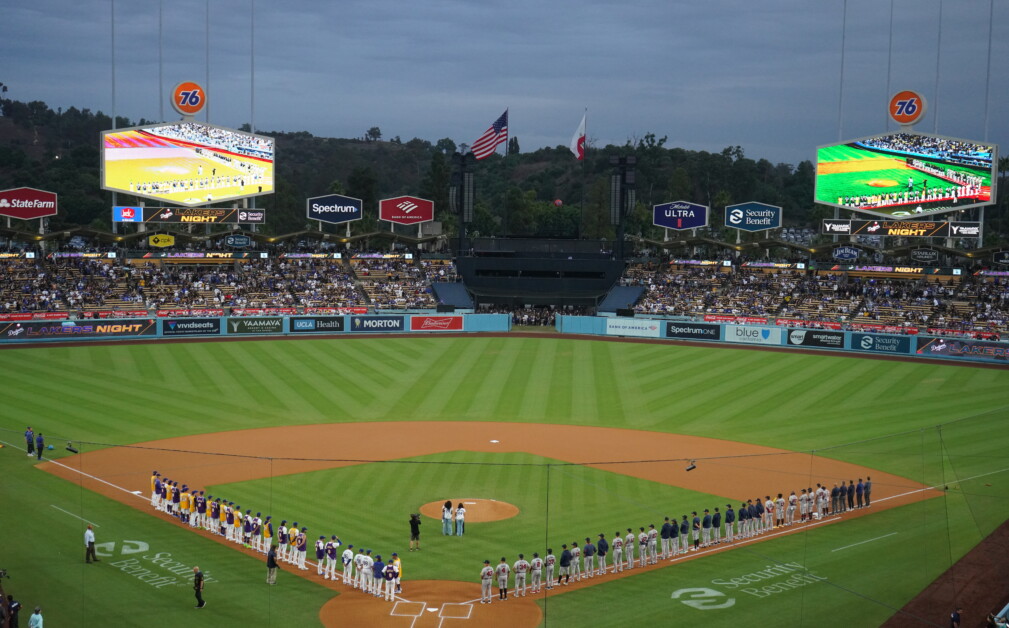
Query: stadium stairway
<point x="621" y="297"/>
<point x="452" y="294"/>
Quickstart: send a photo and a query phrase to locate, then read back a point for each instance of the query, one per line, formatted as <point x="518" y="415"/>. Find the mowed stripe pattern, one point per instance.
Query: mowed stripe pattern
<point x="94" y="392"/>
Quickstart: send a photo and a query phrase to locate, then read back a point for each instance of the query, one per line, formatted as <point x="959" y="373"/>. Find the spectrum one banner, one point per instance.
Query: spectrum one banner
<point x="645" y="328"/>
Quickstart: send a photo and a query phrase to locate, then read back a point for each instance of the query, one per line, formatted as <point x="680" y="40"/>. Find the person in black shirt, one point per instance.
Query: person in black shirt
<point x="198" y="587"/>
<point x="414" y="532"/>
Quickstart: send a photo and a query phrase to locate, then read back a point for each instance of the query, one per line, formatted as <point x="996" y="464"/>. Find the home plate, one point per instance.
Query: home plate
<point x="495" y="441"/>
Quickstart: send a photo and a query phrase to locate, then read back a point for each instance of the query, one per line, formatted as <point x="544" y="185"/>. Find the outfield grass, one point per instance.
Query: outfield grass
<point x="880" y="414"/>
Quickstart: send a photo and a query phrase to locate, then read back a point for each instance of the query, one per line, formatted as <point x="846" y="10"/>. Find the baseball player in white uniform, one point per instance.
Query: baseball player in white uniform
<point x="502" y="578"/>
<point x="790" y="512"/>
<point x="551" y="564"/>
<point x="653" y="544"/>
<point x="521" y="569"/>
<point x="618" y="552"/>
<point x="348" y="564"/>
<point x="576" y="562"/>
<point x="536" y="569"/>
<point x="629" y="548"/>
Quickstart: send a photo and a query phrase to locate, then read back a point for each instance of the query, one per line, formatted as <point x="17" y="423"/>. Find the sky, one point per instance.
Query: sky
<point x="766" y="76"/>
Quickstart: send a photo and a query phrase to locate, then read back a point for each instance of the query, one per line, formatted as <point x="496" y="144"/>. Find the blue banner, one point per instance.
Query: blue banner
<point x="335" y="208"/>
<point x="880" y="343"/>
<point x="753" y="216"/>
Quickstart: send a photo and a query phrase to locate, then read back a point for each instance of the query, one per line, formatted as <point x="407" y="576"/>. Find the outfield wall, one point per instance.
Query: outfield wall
<point x="211" y="327"/>
<point x="943" y="347"/>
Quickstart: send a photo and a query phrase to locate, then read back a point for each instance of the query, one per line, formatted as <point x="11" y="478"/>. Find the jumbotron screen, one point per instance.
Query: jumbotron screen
<point x="187" y="163"/>
<point x="906" y="174"/>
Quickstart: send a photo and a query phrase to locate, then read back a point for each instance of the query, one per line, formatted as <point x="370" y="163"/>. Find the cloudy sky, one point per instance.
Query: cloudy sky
<point x="707" y="74"/>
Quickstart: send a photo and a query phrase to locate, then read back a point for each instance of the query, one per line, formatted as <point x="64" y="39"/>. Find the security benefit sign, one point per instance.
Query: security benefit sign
<point x="753" y="335"/>
<point x="46" y="330"/>
<point x="680" y="215"/>
<point x="335" y="208"/>
<point x="963" y="348"/>
<point x="880" y="343"/>
<point x="753" y="216"/>
<point x="644" y="328"/>
<point x="377" y="323"/>
<point x="258" y="325"/>
<point x="816" y="338"/>
<point x="316" y="324"/>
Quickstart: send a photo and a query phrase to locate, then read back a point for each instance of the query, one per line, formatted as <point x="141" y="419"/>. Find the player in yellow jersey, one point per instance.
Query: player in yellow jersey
<point x="154" y="493"/>
<point x="184" y="504"/>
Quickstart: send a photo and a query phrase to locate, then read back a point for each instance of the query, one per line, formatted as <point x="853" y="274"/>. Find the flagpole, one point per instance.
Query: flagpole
<point x="585" y="154"/>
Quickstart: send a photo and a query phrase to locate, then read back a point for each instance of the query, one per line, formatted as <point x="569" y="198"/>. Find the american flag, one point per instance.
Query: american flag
<point x="497" y="134"/>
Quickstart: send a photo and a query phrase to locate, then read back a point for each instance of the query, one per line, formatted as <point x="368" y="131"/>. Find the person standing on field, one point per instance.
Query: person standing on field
<point x="629" y="548"/>
<point x="536" y="571"/>
<point x="486" y="581"/>
<point x="868" y="491"/>
<point x="502" y="578"/>
<point x="618" y="552"/>
<point x="89" y="545"/>
<point x="198" y="586"/>
<point x="551" y="562"/>
<point x="730" y="519"/>
<point x="30" y="441"/>
<point x="40" y="444"/>
<point x="446" y="519"/>
<point x="602" y="548"/>
<point x="271" y="565"/>
<point x="414" y="532"/>
<point x="521" y="569"/>
<point x="460" y="519"/>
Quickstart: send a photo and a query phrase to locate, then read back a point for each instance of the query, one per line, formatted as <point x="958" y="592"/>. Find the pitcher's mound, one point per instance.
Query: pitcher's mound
<point x="883" y="183"/>
<point x="477" y="510"/>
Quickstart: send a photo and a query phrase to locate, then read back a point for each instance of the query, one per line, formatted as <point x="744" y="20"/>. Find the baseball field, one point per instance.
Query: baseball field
<point x="549" y="440"/>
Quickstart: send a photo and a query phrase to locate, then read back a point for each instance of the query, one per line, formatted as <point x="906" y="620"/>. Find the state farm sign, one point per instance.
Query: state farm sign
<point x="406" y="210"/>
<point x="27" y="203"/>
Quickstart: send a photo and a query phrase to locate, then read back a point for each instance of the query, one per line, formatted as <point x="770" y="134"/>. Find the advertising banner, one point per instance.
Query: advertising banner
<point x="753" y="216"/>
<point x="693" y="331"/>
<point x="377" y="323"/>
<point x="238" y="241"/>
<point x="161" y="240"/>
<point x="271" y="325"/>
<point x="739" y="320"/>
<point x="925" y="256"/>
<point x="316" y="324"/>
<point x="406" y="210"/>
<point x="43" y="330"/>
<point x="846" y="253"/>
<point x="632" y="327"/>
<point x="191" y="327"/>
<point x="880" y="343"/>
<point x="816" y="338"/>
<point x="680" y="215"/>
<point x="962" y="348"/>
<point x="436" y="323"/>
<point x="753" y="335"/>
<point x="334" y="208"/>
<point x="203" y="215"/>
<point x="27" y="203"/>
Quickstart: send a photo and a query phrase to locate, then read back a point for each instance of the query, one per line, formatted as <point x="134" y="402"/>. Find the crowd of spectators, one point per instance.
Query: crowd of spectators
<point x="534" y="315"/>
<point x="394" y="283"/>
<point x="216" y="137"/>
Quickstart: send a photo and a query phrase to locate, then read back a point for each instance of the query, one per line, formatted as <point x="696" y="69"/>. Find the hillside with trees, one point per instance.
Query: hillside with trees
<point x="544" y="193"/>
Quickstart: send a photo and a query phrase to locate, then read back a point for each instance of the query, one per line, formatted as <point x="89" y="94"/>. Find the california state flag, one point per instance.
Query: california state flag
<point x="577" y="145"/>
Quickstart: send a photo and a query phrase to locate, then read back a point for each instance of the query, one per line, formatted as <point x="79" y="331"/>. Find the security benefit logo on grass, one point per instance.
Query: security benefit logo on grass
<point x="191" y="327"/>
<point x="771" y="580"/>
<point x="816" y="338"/>
<point x="160" y="570"/>
<point x="753" y="335"/>
<point x="268" y="325"/>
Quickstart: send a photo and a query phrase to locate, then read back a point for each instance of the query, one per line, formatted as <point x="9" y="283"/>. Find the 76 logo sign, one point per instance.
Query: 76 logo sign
<point x="189" y="98"/>
<point x="907" y="107"/>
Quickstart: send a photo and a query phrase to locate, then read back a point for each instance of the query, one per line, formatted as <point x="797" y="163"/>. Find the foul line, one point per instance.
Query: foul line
<point x="73" y="515"/>
<point x="863" y="542"/>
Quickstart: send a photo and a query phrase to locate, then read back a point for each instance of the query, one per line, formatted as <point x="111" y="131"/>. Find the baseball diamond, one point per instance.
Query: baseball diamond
<point x="572" y="437"/>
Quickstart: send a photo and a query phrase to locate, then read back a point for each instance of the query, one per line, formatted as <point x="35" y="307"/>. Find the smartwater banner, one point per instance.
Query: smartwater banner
<point x="259" y="325"/>
<point x="316" y="324"/>
<point x="190" y="326"/>
<point x="643" y="328"/>
<point x="816" y="338"/>
<point x="880" y="343"/>
<point x="436" y="323"/>
<point x="963" y="348"/>
<point x="45" y="330"/>
<point x="377" y="323"/>
<point x="693" y="331"/>
<point x="753" y="335"/>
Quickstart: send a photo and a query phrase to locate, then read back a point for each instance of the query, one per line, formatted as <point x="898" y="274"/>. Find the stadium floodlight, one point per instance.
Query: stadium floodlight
<point x="692" y="465"/>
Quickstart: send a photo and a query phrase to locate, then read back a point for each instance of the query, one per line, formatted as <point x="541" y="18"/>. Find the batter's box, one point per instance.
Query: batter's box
<point x="452" y="610"/>
<point x="408" y="609"/>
